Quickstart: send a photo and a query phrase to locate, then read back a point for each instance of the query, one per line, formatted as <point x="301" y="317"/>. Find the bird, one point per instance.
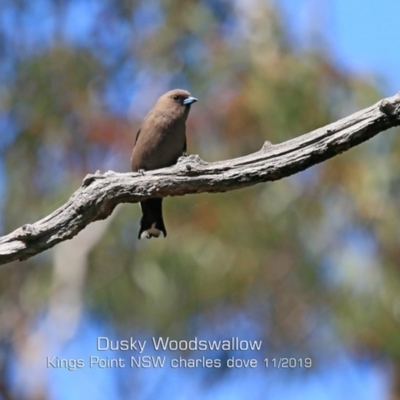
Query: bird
<point x="160" y="141"/>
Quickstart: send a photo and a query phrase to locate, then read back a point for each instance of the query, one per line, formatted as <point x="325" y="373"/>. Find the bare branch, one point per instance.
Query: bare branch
<point x="100" y="193"/>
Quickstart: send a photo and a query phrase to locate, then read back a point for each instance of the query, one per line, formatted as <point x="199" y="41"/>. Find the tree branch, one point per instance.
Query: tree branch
<point x="101" y="193"/>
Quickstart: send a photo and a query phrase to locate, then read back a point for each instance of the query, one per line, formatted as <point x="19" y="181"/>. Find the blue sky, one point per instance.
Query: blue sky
<point x="363" y="35"/>
<point x="362" y="377"/>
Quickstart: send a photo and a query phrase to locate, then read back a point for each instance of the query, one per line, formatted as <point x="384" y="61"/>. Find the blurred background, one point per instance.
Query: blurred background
<point x="309" y="265"/>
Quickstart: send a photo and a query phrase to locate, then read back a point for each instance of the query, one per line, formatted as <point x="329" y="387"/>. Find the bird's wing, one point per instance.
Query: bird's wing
<point x="137" y="136"/>
<point x="185" y="148"/>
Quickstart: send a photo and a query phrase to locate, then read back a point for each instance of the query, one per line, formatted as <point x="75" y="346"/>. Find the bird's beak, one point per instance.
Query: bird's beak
<point x="189" y="101"/>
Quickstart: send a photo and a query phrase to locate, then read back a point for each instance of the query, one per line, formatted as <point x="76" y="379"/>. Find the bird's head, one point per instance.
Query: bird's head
<point x="177" y="99"/>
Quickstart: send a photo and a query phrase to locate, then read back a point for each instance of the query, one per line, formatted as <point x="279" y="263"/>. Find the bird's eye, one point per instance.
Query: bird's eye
<point x="176" y="97"/>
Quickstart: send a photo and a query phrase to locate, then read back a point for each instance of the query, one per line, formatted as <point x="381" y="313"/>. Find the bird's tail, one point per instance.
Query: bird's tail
<point x="152" y="223"/>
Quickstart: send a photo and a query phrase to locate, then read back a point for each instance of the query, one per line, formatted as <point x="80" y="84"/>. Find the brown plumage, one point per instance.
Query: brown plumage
<point x="159" y="143"/>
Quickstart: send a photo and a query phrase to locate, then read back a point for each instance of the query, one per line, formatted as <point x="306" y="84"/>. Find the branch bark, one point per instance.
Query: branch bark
<point x="101" y="193"/>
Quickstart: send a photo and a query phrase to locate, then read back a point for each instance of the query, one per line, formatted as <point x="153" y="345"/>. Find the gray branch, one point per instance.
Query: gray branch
<point x="101" y="193"/>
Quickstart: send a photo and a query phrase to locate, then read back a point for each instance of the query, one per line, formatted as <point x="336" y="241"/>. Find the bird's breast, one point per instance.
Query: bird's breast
<point x="160" y="143"/>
